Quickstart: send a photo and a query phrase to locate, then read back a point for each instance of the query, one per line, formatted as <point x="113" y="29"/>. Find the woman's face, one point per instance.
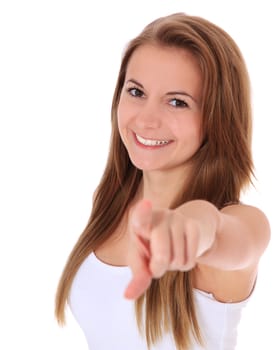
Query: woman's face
<point x="159" y="114"/>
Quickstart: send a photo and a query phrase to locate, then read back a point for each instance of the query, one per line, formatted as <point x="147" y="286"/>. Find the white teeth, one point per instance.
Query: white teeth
<point x="147" y="142"/>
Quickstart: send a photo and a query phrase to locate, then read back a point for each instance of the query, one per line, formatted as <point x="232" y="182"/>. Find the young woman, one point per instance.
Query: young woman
<point x="167" y="207"/>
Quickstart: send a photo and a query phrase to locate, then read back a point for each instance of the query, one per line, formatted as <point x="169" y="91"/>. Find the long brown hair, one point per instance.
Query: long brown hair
<point x="222" y="167"/>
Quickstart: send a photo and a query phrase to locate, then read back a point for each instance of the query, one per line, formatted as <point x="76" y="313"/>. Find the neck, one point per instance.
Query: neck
<point x="162" y="187"/>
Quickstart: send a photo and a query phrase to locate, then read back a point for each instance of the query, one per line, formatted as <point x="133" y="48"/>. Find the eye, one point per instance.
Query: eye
<point x="175" y="102"/>
<point x="135" y="92"/>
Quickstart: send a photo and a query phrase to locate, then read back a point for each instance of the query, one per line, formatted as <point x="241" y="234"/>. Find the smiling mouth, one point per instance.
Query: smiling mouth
<point x="148" y="142"/>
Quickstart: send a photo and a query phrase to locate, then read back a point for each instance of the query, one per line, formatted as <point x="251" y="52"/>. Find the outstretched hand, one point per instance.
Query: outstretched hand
<point x="160" y="240"/>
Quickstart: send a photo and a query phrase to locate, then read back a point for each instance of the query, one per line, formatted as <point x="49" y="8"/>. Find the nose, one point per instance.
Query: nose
<point x="149" y="115"/>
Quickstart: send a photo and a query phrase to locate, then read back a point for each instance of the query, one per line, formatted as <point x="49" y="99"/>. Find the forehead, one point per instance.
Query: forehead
<point x="171" y="65"/>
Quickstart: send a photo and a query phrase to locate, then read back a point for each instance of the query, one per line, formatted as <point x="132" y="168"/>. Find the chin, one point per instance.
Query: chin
<point x="144" y="166"/>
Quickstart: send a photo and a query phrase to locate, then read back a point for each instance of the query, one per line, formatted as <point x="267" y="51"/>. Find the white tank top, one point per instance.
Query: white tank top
<point x="108" y="319"/>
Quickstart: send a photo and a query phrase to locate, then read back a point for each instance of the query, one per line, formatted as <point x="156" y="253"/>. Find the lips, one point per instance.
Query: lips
<point x="151" y="142"/>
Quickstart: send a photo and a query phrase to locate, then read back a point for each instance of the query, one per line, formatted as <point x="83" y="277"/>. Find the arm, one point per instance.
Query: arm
<point x="194" y="233"/>
<point x="231" y="239"/>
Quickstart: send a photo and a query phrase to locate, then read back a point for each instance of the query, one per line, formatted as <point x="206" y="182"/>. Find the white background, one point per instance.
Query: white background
<point x="58" y="67"/>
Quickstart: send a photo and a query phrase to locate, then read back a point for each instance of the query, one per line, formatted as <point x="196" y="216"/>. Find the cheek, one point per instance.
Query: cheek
<point x="125" y="116"/>
<point x="190" y="128"/>
<point x="198" y="133"/>
<point x="122" y="112"/>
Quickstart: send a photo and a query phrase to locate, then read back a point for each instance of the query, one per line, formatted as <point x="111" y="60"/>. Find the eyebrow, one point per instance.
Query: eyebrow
<point x="168" y="93"/>
<point x="182" y="93"/>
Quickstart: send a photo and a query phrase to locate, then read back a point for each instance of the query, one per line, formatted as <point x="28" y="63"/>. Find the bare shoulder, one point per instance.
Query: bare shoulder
<point x="251" y="225"/>
<point x="247" y="212"/>
<point x="226" y="286"/>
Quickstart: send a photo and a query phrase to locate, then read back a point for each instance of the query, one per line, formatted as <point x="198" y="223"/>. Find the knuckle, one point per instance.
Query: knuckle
<point x="161" y="259"/>
<point x="189" y="266"/>
<point x="157" y="270"/>
<point x="158" y="265"/>
<point x="177" y="264"/>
